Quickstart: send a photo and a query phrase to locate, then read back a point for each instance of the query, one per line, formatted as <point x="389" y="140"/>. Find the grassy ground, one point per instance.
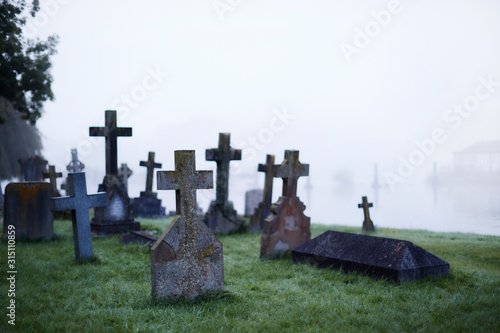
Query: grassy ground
<point x="55" y="293"/>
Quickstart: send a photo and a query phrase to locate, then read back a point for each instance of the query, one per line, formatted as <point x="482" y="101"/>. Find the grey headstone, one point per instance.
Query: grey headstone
<point x="221" y="215"/>
<point x="393" y="259"/>
<point x="79" y="203"/>
<point x="252" y="199"/>
<point x="187" y="260"/>
<point x="27" y="208"/>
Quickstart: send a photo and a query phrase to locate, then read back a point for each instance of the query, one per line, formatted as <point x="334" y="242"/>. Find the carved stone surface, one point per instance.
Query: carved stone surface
<point x="252" y="199"/>
<point x="33" y="168"/>
<point x="52" y="175"/>
<point x="75" y="165"/>
<point x="79" y="203"/>
<point x="221" y="215"/>
<point x="187" y="260"/>
<point x="264" y="208"/>
<point x="287" y="227"/>
<point x="393" y="259"/>
<point x="27" y="208"/>
<point x="367" y="223"/>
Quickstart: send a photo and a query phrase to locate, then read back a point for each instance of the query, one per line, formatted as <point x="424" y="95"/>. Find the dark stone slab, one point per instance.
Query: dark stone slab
<point x="79" y="203"/>
<point x="33" y="168"/>
<point x="27" y="208"/>
<point x="393" y="259"/>
<point x="147" y="205"/>
<point x="115" y="218"/>
<point x="140" y="237"/>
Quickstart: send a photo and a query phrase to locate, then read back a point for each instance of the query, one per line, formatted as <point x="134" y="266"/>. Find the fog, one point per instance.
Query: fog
<point x="348" y="84"/>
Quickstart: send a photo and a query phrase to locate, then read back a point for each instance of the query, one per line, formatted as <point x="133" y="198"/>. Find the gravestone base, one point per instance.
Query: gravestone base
<point x="139" y="237"/>
<point x="27" y="208"/>
<point x="148" y="206"/>
<point x="257" y="219"/>
<point x="392" y="259"/>
<point x="116" y="217"/>
<point x="286" y="228"/>
<point x="222" y="220"/>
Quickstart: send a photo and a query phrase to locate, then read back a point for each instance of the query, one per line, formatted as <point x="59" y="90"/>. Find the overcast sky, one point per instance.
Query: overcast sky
<point x="348" y="83"/>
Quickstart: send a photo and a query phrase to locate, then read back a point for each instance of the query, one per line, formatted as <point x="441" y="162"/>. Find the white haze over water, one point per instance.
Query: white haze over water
<point x="284" y="75"/>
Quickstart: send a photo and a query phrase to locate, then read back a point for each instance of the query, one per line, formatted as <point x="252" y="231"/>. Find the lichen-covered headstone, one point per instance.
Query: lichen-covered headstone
<point x="148" y="205"/>
<point x="27" y="208"/>
<point x="287" y="227"/>
<point x="367" y="223"/>
<point x="186" y="261"/>
<point x="221" y="215"/>
<point x="116" y="217"/>
<point x="79" y="203"/>
<point x="52" y="175"/>
<point x="264" y="208"/>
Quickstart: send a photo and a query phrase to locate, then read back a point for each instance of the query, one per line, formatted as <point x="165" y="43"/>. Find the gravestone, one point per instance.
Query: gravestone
<point x="27" y="208"/>
<point x="79" y="203"/>
<point x="186" y="261"/>
<point x="32" y="168"/>
<point x="124" y="173"/>
<point x="367" y="223"/>
<point x="392" y="259"/>
<point x="148" y="205"/>
<point x="252" y="199"/>
<point x="221" y="215"/>
<point x="75" y="165"/>
<point x="116" y="217"/>
<point x="264" y="208"/>
<point x="52" y="175"/>
<point x="287" y="227"/>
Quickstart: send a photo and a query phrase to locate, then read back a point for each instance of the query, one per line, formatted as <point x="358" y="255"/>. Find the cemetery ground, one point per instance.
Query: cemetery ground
<point x="112" y="292"/>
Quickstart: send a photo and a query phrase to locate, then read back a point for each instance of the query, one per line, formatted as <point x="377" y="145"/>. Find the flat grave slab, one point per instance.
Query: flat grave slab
<point x="393" y="259"/>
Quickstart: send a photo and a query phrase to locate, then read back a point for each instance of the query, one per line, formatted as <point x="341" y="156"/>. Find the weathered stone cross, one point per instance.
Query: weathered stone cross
<point x="111" y="132"/>
<point x="124" y="173"/>
<point x="52" y="175"/>
<point x="290" y="171"/>
<point x="367" y="223"/>
<point x="75" y="165"/>
<point x="185" y="180"/>
<point x="222" y="156"/>
<point x="268" y="181"/>
<point x="151" y="165"/>
<point x="79" y="202"/>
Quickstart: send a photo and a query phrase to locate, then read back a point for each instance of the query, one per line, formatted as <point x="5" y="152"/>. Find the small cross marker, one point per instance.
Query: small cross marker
<point x="53" y="175"/>
<point x="367" y="223"/>
<point x="150" y="164"/>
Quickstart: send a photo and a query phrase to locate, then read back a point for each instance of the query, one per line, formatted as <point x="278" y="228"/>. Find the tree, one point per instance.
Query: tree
<point x="25" y="84"/>
<point x="25" y="78"/>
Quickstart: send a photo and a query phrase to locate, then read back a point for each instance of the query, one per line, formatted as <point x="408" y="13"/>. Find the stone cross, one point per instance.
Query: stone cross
<point x="111" y="132"/>
<point x="290" y="172"/>
<point x="222" y="156"/>
<point x="79" y="202"/>
<point x="124" y="173"/>
<point x="187" y="259"/>
<point x="75" y="165"/>
<point x="264" y="208"/>
<point x="53" y="175"/>
<point x="367" y="223"/>
<point x="150" y="164"/>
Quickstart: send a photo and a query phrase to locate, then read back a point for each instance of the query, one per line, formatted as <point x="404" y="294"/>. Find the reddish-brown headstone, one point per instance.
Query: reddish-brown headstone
<point x="27" y="208"/>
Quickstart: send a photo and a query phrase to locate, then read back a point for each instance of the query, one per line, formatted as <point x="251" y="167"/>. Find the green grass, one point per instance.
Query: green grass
<point x="112" y="293"/>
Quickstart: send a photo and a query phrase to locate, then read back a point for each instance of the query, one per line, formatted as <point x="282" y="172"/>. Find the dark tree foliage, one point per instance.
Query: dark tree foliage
<point x="25" y="78"/>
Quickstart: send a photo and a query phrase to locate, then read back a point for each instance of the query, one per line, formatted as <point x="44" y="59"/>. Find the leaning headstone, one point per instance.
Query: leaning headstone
<point x="187" y="260"/>
<point x="116" y="217"/>
<point x="221" y="215"/>
<point x="27" y="208"/>
<point x="264" y="208"/>
<point x="52" y="175"/>
<point x="32" y="168"/>
<point x="252" y="199"/>
<point x="367" y="223"/>
<point x="79" y="203"/>
<point x="148" y="205"/>
<point x="392" y="259"/>
<point x="124" y="173"/>
<point x="75" y="165"/>
<point x="287" y="227"/>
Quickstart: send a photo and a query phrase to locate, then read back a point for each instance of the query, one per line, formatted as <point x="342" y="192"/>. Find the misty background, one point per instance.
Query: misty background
<point x="348" y="84"/>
